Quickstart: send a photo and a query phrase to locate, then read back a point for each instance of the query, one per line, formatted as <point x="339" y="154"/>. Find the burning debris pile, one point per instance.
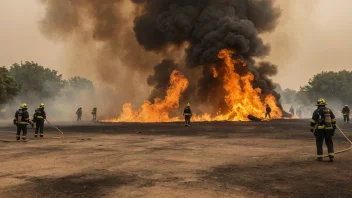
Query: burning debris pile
<point x="219" y="73"/>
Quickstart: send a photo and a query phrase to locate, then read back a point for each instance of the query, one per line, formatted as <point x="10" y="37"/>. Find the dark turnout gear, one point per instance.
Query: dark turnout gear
<point x="94" y="113"/>
<point x="187" y="112"/>
<point x="79" y="114"/>
<point x="346" y="114"/>
<point x="268" y="111"/>
<point x="323" y="124"/>
<point x="39" y="118"/>
<point x="292" y="111"/>
<point x="22" y="120"/>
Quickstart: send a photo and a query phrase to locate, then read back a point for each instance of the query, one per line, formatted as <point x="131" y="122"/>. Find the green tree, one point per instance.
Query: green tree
<point x="9" y="88"/>
<point x="330" y="85"/>
<point x="80" y="84"/>
<point x="36" y="80"/>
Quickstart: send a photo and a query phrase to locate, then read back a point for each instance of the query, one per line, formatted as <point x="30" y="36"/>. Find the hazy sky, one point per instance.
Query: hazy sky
<point x="313" y="36"/>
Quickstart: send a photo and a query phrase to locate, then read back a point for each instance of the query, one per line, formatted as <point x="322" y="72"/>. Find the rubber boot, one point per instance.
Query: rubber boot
<point x="35" y="135"/>
<point x="24" y="138"/>
<point x="331" y="158"/>
<point x="319" y="159"/>
<point x="41" y="135"/>
<point x="18" y="138"/>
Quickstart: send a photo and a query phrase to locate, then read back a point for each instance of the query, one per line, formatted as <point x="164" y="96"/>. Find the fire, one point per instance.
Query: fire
<point x="241" y="98"/>
<point x="160" y="109"/>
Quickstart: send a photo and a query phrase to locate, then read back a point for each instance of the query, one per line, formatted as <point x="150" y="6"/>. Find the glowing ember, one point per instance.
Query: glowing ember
<point x="241" y="98"/>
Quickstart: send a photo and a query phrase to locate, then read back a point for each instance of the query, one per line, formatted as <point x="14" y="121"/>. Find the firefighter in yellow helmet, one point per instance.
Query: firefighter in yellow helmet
<point x="323" y="124"/>
<point x="187" y="112"/>
<point x="22" y="120"/>
<point x="39" y="118"/>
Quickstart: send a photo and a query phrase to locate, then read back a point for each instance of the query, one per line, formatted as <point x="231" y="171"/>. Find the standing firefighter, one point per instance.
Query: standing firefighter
<point x="292" y="110"/>
<point x="79" y="114"/>
<point x="22" y="120"/>
<point x="323" y="125"/>
<point x="346" y="114"/>
<point x="268" y="111"/>
<point x="39" y="118"/>
<point x="187" y="112"/>
<point x="94" y="113"/>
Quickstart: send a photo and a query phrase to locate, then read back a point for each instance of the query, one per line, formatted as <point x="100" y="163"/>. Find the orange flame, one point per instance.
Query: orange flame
<point x="241" y="98"/>
<point x="160" y="109"/>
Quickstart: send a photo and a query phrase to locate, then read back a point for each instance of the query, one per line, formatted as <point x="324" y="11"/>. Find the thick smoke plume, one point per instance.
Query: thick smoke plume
<point x="200" y="28"/>
<point x="209" y="26"/>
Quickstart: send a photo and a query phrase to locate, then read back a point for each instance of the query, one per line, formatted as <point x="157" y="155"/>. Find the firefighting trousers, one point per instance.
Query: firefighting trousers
<point x="39" y="126"/>
<point x="94" y="117"/>
<point x="267" y="115"/>
<point x="188" y="120"/>
<point x="23" y="128"/>
<point x="79" y="117"/>
<point x="327" y="135"/>
<point x="346" y="118"/>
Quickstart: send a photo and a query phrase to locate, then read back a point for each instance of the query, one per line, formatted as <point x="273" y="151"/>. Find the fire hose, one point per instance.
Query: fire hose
<point x="62" y="133"/>
<point x="344" y="135"/>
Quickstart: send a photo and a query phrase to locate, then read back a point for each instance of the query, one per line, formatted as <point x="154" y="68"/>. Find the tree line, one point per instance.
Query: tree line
<point x="29" y="82"/>
<point x="333" y="86"/>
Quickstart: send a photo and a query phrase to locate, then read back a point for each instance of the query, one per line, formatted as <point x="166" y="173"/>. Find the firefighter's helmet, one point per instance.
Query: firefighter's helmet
<point x="346" y="105"/>
<point x="188" y="105"/>
<point x="41" y="105"/>
<point x="24" y="106"/>
<point x="321" y="102"/>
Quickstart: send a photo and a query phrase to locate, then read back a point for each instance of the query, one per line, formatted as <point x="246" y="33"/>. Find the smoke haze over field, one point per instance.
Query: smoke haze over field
<point x="302" y="44"/>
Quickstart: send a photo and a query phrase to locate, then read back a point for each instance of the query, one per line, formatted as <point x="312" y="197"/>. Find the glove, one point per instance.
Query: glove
<point x="315" y="133"/>
<point x="312" y="130"/>
<point x="333" y="132"/>
<point x="14" y="121"/>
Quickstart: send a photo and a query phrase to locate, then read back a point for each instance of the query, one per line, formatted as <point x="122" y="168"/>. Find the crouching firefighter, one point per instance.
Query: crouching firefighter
<point x="187" y="112"/>
<point x="22" y="120"/>
<point x="323" y="124"/>
<point x="39" y="118"/>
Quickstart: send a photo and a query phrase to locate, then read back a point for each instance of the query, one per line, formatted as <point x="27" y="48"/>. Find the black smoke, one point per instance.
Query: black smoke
<point x="208" y="26"/>
<point x="163" y="27"/>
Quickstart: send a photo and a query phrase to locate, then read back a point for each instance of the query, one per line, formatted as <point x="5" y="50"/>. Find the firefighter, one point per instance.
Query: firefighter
<point x="187" y="112"/>
<point x="323" y="124"/>
<point x="346" y="114"/>
<point x="268" y="111"/>
<point x="292" y="110"/>
<point x="94" y="113"/>
<point x="39" y="118"/>
<point x="22" y="120"/>
<point x="79" y="114"/>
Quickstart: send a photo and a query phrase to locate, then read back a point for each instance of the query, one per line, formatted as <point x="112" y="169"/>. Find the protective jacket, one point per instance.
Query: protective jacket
<point x="323" y="118"/>
<point x="39" y="114"/>
<point x="346" y="111"/>
<point x="79" y="112"/>
<point x="94" y="111"/>
<point x="187" y="111"/>
<point x="22" y="117"/>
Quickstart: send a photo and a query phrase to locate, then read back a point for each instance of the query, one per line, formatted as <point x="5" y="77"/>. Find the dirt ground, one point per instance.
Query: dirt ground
<point x="220" y="159"/>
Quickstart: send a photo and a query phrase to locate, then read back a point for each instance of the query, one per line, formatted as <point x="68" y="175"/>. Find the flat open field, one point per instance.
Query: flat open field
<point x="220" y="159"/>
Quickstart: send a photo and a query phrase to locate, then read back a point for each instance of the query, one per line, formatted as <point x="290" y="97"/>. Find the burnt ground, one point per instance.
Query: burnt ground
<point x="211" y="159"/>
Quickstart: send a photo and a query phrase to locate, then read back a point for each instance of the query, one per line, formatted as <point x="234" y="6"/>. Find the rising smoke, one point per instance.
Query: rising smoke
<point x="200" y="28"/>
